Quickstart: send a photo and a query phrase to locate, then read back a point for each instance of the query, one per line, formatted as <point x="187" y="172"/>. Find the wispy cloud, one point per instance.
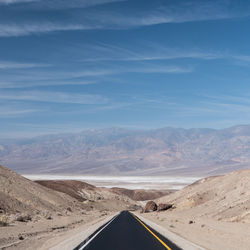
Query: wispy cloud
<point x="20" y="83"/>
<point x="95" y="19"/>
<point x="43" y="77"/>
<point x="13" y="29"/>
<point x="53" y="97"/>
<point x="242" y="57"/>
<point x="234" y="100"/>
<point x="145" y="52"/>
<point x="59" y="4"/>
<point x="65" y="4"/>
<point x="17" y="65"/>
<point x="162" y="69"/>
<point x="8" y="2"/>
<point x="12" y="111"/>
<point x="181" y="12"/>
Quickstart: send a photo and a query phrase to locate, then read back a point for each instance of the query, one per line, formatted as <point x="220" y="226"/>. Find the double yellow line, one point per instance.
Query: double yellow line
<point x="164" y="244"/>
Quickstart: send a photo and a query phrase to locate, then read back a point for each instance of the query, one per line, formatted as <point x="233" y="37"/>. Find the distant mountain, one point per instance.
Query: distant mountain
<point x="116" y="151"/>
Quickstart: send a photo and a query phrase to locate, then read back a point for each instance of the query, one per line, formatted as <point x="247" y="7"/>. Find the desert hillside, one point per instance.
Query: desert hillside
<point x="71" y="187"/>
<point x="100" y="198"/>
<point x="225" y="198"/>
<point x="31" y="212"/>
<point x="20" y="195"/>
<point x="213" y="212"/>
<point x="92" y="197"/>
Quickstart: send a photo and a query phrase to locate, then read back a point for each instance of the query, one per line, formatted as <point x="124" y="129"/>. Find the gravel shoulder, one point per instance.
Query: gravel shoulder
<point x="44" y="234"/>
<point x="205" y="232"/>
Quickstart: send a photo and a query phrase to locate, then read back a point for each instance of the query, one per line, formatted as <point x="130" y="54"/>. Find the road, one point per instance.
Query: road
<point x="126" y="232"/>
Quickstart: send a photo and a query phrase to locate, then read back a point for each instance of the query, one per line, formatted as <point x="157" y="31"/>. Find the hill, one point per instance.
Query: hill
<point x="93" y="198"/>
<point x="213" y="212"/>
<point x="32" y="213"/>
<point x="20" y="195"/>
<point x="141" y="194"/>
<point x="224" y="198"/>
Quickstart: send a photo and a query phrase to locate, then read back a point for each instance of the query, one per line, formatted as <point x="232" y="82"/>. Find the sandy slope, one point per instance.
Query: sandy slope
<point x="19" y="194"/>
<point x="50" y="213"/>
<point x="224" y="198"/>
<point x="213" y="212"/>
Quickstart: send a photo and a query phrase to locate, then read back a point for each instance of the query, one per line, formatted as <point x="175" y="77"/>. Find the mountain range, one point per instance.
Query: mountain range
<point x="118" y="151"/>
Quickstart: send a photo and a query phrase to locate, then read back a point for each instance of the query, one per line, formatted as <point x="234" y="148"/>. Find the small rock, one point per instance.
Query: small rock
<point x="20" y="237"/>
<point x="23" y="218"/>
<point x="191" y="222"/>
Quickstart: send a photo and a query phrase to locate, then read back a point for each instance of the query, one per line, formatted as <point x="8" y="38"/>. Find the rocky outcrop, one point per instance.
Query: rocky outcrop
<point x="164" y="206"/>
<point x="151" y="206"/>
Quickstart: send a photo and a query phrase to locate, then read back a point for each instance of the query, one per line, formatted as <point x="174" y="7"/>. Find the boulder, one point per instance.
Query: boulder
<point x="164" y="206"/>
<point x="150" y="207"/>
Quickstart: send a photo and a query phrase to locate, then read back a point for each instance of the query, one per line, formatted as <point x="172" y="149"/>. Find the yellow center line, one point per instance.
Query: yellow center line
<point x="164" y="244"/>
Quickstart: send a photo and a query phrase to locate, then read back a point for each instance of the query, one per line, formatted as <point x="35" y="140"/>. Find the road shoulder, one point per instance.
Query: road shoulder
<point x="75" y="237"/>
<point x="181" y="242"/>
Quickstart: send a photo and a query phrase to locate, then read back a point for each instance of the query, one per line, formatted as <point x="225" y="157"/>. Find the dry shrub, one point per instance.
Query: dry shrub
<point x="4" y="221"/>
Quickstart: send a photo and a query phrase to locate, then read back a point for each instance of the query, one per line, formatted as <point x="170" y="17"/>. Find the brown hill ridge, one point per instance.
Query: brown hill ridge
<point x="90" y="196"/>
<point x="83" y="191"/>
<point x="71" y="187"/>
<point x="141" y="194"/>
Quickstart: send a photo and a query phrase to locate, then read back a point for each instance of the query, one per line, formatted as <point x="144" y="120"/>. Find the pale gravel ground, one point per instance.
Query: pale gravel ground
<point x="179" y="241"/>
<point x="218" y="206"/>
<point x="205" y="232"/>
<point x="74" y="237"/>
<point x="41" y="235"/>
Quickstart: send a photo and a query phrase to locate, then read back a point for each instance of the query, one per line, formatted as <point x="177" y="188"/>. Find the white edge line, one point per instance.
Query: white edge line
<point x="97" y="234"/>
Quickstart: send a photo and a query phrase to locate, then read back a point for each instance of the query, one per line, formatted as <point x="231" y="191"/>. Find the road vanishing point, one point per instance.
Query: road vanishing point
<point x="126" y="232"/>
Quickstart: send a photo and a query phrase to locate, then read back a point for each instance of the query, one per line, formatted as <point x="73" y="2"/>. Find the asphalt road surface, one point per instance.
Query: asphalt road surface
<point x="126" y="232"/>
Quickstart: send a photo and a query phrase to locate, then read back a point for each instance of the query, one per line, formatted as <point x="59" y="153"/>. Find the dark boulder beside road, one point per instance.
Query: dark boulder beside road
<point x="150" y="207"/>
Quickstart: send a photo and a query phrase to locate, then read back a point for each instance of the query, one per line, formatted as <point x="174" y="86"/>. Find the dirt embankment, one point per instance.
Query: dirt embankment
<point x="20" y="195"/>
<point x="213" y="212"/>
<point x="32" y="212"/>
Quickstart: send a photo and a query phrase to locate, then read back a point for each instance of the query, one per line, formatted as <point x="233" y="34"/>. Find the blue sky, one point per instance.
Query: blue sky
<point x="70" y="65"/>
